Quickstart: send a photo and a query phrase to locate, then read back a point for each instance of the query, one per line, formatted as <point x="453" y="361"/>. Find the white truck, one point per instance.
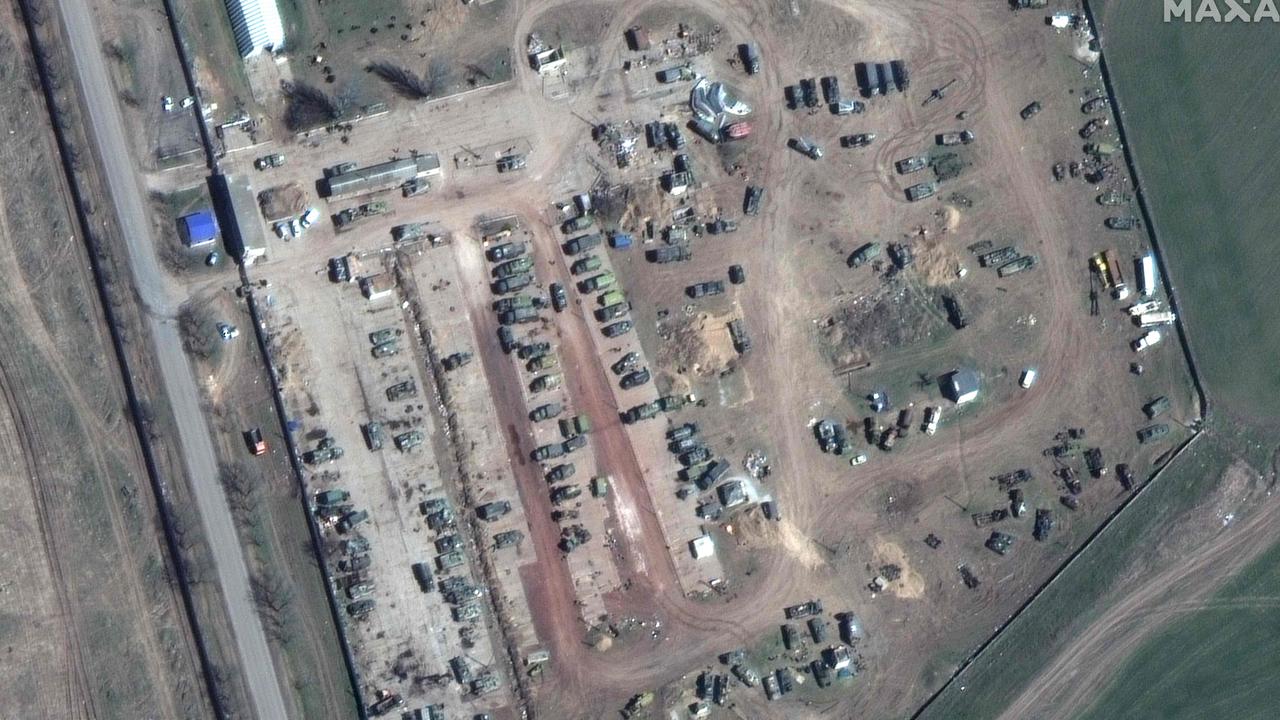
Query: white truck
<point x="1146" y="341"/>
<point x="1155" y="319"/>
<point x="932" y="415"/>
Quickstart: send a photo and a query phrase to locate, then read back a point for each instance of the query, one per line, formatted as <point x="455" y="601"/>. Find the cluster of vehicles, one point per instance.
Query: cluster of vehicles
<point x="290" y="228"/>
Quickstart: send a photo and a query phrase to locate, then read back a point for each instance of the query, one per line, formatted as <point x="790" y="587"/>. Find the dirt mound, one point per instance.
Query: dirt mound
<point x="936" y="261"/>
<point x="699" y="344"/>
<point x="894" y="315"/>
<point x="755" y="531"/>
<point x="282" y="201"/>
<point x="909" y="584"/>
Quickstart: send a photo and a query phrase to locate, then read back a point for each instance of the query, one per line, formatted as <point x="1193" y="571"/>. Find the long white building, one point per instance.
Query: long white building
<point x="257" y="26"/>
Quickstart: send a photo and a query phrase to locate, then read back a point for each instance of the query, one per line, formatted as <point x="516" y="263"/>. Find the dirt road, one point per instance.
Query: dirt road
<point x="161" y="303"/>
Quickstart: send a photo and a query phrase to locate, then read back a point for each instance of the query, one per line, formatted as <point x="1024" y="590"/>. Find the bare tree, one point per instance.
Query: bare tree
<point x="402" y="80"/>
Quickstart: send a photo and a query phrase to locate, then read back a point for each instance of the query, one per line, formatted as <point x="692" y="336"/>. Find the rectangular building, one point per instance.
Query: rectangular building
<point x="382" y="176"/>
<point x="237" y="211"/>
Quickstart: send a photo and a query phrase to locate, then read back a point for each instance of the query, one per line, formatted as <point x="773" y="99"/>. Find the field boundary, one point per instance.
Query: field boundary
<point x="1184" y="342"/>
<point x="41" y="55"/>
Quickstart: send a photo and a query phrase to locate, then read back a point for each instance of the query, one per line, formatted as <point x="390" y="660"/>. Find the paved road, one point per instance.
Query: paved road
<point x="161" y="301"/>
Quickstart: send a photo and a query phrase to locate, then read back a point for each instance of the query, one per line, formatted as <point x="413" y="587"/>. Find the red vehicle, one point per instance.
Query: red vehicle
<point x="253" y="438"/>
<point x="738" y="130"/>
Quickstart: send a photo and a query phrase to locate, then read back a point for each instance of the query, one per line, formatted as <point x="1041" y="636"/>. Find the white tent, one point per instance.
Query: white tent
<point x="257" y="26"/>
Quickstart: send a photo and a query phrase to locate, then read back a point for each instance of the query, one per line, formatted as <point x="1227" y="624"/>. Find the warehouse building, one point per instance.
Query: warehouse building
<point x="238" y="217"/>
<point x="256" y="25"/>
<point x="198" y="228"/>
<point x="382" y="176"/>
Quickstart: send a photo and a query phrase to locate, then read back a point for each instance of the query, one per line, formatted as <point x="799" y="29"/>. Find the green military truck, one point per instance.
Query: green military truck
<point x="575" y="426"/>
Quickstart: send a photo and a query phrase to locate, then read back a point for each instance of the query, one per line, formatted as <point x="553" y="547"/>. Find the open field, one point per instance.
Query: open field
<point x="91" y="623"/>
<point x="631" y="609"/>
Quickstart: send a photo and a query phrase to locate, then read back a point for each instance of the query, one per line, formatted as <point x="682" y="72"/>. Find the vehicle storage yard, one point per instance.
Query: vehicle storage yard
<point x="897" y="351"/>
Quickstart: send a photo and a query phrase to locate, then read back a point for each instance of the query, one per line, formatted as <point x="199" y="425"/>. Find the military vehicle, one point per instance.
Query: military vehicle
<point x="460" y="669"/>
<point x="406" y="441"/>
<point x="326" y="451"/>
<point x="1093" y="126"/>
<point x="451" y="560"/>
<point x="1094" y="105"/>
<point x="512" y="303"/>
<point x="575" y="426"/>
<point x="547" y="452"/>
<point x="465" y="613"/>
<point x="533" y="350"/>
<point x="818" y="629"/>
<point x="747" y="675"/>
<point x="591" y="263"/>
<point x="751" y="203"/>
<point x="791" y="638"/>
<point x="511" y="163"/>
<point x="561" y="472"/>
<point x="932" y="415"/>
<point x="577" y="442"/>
<point x="1147" y="340"/>
<point x="821" y="673"/>
<point x="737" y="275"/>
<point x="386" y="349"/>
<point x="668" y="403"/>
<point x="912" y="164"/>
<point x="857" y="140"/>
<point x="1125" y="473"/>
<point x="385" y="335"/>
<point x="415" y="187"/>
<point x="1121" y="223"/>
<point x="360" y="608"/>
<point x="947" y="139"/>
<point x="921" y="191"/>
<point x="612" y="312"/>
<point x="582" y="244"/>
<point x="669" y="254"/>
<point x="805" y="147"/>
<point x="511" y="268"/>
<point x="564" y="493"/>
<point x="603" y="281"/>
<point x="330" y="498"/>
<point x="348" y="217"/>
<point x="542" y="383"/>
<point x="352" y="519"/>
<point x="559" y="299"/>
<point x="512" y="284"/>
<point x="1152" y="433"/>
<point x="955" y="313"/>
<point x="577" y="224"/>
<point x="681" y="432"/>
<point x="563" y="515"/>
<point x="738" y="336"/>
<point x="273" y="160"/>
<point x="771" y="689"/>
<point x="355" y="563"/>
<point x="1013" y="267"/>
<point x="999" y="543"/>
<point x="705" y="289"/>
<point x="408" y="232"/>
<point x="636" y="704"/>
<point x="625" y="363"/>
<point x="1093" y="460"/>
<point x="518" y="316"/>
<point x="1044" y="524"/>
<point x="720" y="226"/>
<point x="612" y="297"/>
<point x="545" y="412"/>
<point x="641" y="412"/>
<point x="750" y="54"/>
<point x="616" y="329"/>
<point x="402" y="391"/>
<point x="848" y="107"/>
<point x="997" y="257"/>
<point x="374" y="435"/>
<point x="493" y="510"/>
<point x="794" y="612"/>
<point x="253" y="438"/>
<point x="1032" y="109"/>
<point x="1113" y="197"/>
<point x="456" y="360"/>
<point x="505" y="251"/>
<point x="634" y="379"/>
<point x="359" y="590"/>
<point x="864" y="255"/>
<point x="1156" y="407"/>
<point x="448" y="543"/>
<point x="507" y="538"/>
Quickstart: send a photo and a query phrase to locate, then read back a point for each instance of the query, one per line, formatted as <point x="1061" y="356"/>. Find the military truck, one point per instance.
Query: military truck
<point x="921" y="191"/>
<point x="511" y="303"/>
<point x="750" y="54"/>
<point x="546" y="452"/>
<point x="378" y="337"/>
<point x="352" y="519"/>
<point x="1112" y="197"/>
<point x="582" y="244"/>
<point x="738" y="335"/>
<point x="616" y="329"/>
<point x="791" y="638"/>
<point x="912" y="164"/>
<point x="330" y="498"/>
<point x="806" y="147"/>
<point x="450" y="560"/>
<point x="595" y="283"/>
<point x="546" y="412"/>
<point x="542" y="383"/>
<point x="326" y="451"/>
<point x="1156" y="407"/>
<point x="641" y="412"/>
<point x="512" y="284"/>
<point x="1093" y="126"/>
<point x="374" y="435"/>
<point x="402" y="391"/>
<point x="561" y="472"/>
<point x="612" y="312"/>
<point x="626" y="363"/>
<point x="705" y="289"/>
<point x="511" y="163"/>
<point x="864" y="255"/>
<point x="422" y="573"/>
<point x="1044" y="524"/>
<point x="518" y="316"/>
<point x="1121" y="223"/>
<point x="948" y="139"/>
<point x="634" y="379"/>
<point x="1152" y="433"/>
<point x="406" y="441"/>
<point x="999" y="543"/>
<point x="508" y="538"/>
<point x="955" y="312"/>
<point x="806" y="609"/>
<point x="857" y="140"/>
<point x="273" y="160"/>
<point x="360" y="608"/>
<point x="386" y="349"/>
<point x="505" y="251"/>
<point x="492" y="511"/>
<point x="513" y="267"/>
<point x="408" y="232"/>
<point x="1013" y="267"/>
<point x="559" y="298"/>
<point x="542" y="363"/>
<point x="818" y="629"/>
<point x="590" y="263"/>
<point x="997" y="257"/>
<point x="612" y="297"/>
<point x="751" y="202"/>
<point x="565" y="493"/>
<point x="636" y="704"/>
<point x="577" y="224"/>
<point x="1093" y="460"/>
<point x="575" y="426"/>
<point x="456" y="360"/>
<point x="669" y="254"/>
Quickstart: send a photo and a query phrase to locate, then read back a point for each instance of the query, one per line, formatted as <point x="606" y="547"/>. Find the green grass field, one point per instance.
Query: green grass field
<point x="1198" y="111"/>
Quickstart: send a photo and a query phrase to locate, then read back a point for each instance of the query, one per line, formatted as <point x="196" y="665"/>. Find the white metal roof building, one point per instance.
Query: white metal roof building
<point x="257" y="26"/>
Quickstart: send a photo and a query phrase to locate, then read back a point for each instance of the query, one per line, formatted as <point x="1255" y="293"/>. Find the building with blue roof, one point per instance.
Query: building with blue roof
<point x="198" y="228"/>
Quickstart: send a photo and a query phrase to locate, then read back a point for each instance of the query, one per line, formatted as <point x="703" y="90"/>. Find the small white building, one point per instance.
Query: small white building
<point x="256" y="25"/>
<point x="377" y="287"/>
<point x="702" y="547"/>
<point x="1147" y="274"/>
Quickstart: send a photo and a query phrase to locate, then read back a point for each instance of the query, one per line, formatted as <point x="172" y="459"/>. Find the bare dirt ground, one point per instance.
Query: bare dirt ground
<point x="91" y="625"/>
<point x="840" y="524"/>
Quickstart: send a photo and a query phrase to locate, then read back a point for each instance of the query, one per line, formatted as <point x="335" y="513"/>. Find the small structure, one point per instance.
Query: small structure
<point x="256" y="25"/>
<point x="382" y="176"/>
<point x="702" y="547"/>
<point x="638" y="39"/>
<point x="732" y="493"/>
<point x="547" y="61"/>
<point x="377" y="287"/>
<point x="961" y="386"/>
<point x="197" y="229"/>
<point x="237" y="213"/>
